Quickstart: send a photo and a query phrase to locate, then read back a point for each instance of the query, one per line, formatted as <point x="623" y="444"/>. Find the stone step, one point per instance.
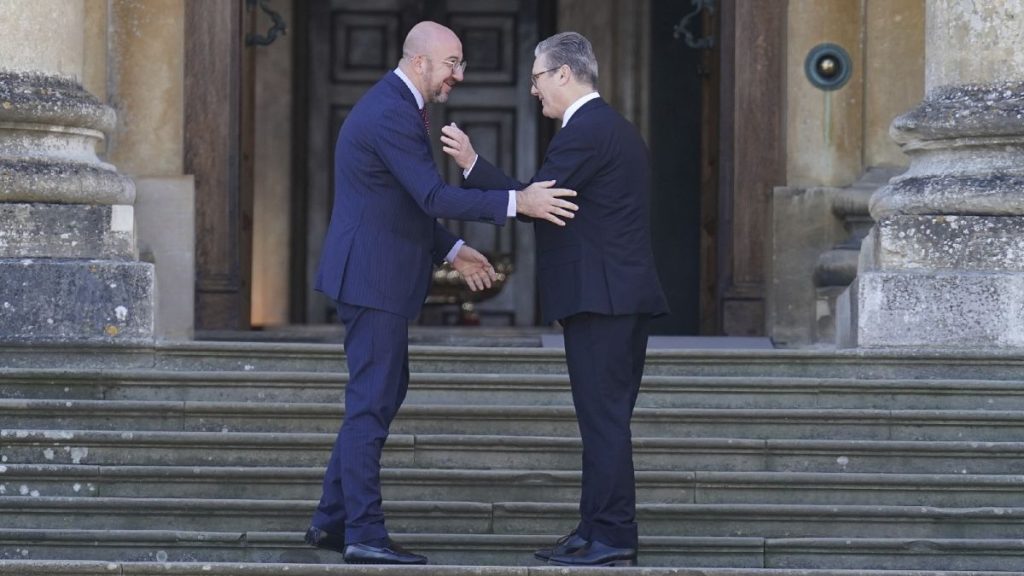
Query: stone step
<point x="271" y="483"/>
<point x="515" y="550"/>
<point x="852" y="363"/>
<point x="510" y="452"/>
<point x="896" y="554"/>
<point x="264" y="547"/>
<point x="761" y="520"/>
<point x="199" y="416"/>
<point x="781" y="520"/>
<point x="700" y="487"/>
<point x="255" y="357"/>
<point x="87" y="568"/>
<point x="515" y="389"/>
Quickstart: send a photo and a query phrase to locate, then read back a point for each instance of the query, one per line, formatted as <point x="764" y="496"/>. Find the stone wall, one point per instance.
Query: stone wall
<point x="837" y="145"/>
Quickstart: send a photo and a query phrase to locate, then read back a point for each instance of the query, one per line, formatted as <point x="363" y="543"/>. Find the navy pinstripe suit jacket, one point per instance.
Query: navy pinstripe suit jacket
<point x="384" y="237"/>
<point x="602" y="260"/>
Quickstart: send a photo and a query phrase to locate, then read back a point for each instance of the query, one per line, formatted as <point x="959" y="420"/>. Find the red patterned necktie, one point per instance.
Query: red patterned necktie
<point x="426" y="119"/>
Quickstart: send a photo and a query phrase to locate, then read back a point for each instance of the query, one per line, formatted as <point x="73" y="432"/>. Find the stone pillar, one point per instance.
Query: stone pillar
<point x="944" y="266"/>
<point x="69" y="270"/>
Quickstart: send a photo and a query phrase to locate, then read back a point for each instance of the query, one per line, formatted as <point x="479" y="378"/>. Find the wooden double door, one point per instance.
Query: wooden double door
<point x="712" y="119"/>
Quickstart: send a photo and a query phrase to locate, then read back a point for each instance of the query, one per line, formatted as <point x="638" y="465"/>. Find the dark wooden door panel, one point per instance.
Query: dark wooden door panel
<point x="352" y="43"/>
<point x="752" y="160"/>
<point x="214" y="154"/>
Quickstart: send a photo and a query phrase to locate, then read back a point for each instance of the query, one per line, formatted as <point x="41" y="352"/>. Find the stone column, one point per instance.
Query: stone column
<point x="944" y="265"/>
<point x="69" y="270"/>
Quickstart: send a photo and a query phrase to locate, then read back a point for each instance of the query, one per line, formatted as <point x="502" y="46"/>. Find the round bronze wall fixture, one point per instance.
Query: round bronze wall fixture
<point x="828" y="66"/>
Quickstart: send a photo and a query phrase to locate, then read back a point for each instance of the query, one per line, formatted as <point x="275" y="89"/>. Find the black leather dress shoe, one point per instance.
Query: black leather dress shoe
<point x="391" y="554"/>
<point x="595" y="553"/>
<point x="326" y="540"/>
<point x="567" y="544"/>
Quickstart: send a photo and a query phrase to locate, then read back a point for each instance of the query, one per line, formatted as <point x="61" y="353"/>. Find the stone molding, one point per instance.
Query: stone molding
<point x="39" y="98"/>
<point x="49" y="128"/>
<point x="966" y="110"/>
<point x="966" y="145"/>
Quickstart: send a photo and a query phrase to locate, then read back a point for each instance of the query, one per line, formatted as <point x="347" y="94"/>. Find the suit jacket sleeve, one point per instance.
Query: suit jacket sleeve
<point x="569" y="161"/>
<point x="443" y="242"/>
<point x="488" y="176"/>
<point x="403" y="148"/>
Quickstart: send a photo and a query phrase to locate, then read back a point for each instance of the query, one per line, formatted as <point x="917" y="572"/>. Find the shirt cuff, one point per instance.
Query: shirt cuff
<point x="465" y="173"/>
<point x="511" y="212"/>
<point x="454" y="251"/>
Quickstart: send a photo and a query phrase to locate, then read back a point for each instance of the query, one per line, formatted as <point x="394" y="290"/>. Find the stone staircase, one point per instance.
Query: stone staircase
<point x="206" y="458"/>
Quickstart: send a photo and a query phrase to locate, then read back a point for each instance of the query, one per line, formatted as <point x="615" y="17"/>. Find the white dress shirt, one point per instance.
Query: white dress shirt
<point x="577" y="105"/>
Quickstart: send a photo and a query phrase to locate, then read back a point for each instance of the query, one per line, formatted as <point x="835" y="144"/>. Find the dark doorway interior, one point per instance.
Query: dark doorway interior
<point x="675" y="143"/>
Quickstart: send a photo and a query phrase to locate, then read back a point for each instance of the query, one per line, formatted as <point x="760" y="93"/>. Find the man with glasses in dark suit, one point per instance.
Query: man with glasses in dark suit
<point x="596" y="277"/>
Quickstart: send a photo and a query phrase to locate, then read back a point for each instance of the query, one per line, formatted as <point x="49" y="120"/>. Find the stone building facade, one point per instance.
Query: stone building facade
<point x="164" y="170"/>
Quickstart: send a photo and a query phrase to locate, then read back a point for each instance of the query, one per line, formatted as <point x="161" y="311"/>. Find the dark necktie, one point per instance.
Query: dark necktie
<point x="426" y="119"/>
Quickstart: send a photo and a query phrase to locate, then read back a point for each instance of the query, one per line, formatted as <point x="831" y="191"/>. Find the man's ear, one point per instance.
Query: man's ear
<point x="564" y="74"/>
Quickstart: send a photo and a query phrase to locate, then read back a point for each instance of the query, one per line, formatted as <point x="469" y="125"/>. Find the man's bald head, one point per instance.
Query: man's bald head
<point x="430" y="39"/>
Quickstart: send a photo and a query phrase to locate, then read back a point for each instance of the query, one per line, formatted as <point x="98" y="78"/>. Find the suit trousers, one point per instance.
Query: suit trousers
<point x="605" y="356"/>
<point x="377" y="351"/>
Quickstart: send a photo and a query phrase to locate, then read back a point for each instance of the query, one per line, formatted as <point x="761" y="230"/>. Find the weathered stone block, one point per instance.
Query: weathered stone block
<point x="67" y="231"/>
<point x="965" y="243"/>
<point x="962" y="310"/>
<point x="76" y="301"/>
<point x="792" y="312"/>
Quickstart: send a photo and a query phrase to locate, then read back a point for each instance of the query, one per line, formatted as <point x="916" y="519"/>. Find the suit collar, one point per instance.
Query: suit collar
<point x="412" y="89"/>
<point x="395" y="82"/>
<point x="584" y="103"/>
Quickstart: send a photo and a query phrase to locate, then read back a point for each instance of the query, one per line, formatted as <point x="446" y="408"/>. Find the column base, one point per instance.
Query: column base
<point x="962" y="310"/>
<point x="80" y="301"/>
<point x="69" y="231"/>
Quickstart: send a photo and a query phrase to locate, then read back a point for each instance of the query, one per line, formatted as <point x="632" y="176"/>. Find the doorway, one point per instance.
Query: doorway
<point x="342" y="47"/>
<point x="684" y="190"/>
<point x="351" y="45"/>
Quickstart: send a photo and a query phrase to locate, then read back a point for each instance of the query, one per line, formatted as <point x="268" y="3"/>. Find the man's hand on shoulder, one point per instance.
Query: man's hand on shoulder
<point x="540" y="200"/>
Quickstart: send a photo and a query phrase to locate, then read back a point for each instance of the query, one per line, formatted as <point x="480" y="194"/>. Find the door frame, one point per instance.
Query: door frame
<point x="752" y="158"/>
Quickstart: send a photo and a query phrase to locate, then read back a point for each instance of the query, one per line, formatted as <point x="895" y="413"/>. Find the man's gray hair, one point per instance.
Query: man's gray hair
<point x="572" y="49"/>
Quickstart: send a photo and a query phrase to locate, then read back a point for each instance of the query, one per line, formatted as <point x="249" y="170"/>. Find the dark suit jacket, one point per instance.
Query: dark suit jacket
<point x="384" y="237"/>
<point x="602" y="260"/>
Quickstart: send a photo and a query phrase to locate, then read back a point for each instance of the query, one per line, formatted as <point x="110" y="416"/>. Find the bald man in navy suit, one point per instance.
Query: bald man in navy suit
<point x="376" y="265"/>
<point x="597" y="278"/>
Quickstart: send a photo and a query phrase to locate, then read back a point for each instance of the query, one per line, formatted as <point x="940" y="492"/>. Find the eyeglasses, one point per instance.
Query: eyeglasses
<point x="457" y="67"/>
<point x="533" y="77"/>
